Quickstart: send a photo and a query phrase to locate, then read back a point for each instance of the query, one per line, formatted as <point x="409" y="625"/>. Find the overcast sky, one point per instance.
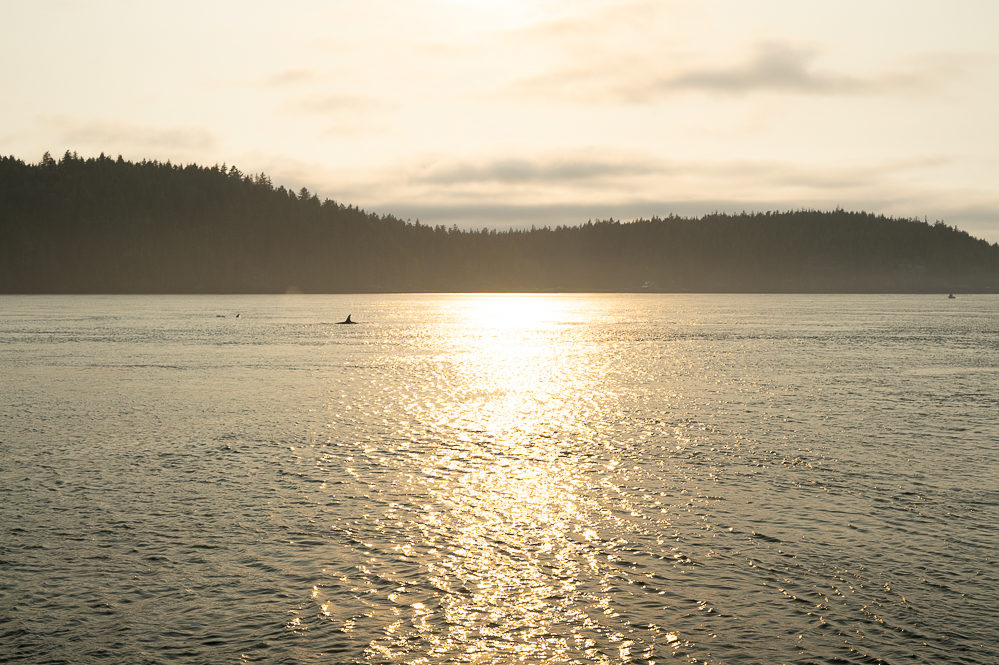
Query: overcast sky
<point x="519" y="112"/>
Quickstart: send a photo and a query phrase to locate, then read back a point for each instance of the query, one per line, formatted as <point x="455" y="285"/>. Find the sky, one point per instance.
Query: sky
<point x="498" y="114"/>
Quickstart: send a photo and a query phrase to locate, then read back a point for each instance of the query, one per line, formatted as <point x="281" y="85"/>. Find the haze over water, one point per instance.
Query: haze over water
<point x="499" y="478"/>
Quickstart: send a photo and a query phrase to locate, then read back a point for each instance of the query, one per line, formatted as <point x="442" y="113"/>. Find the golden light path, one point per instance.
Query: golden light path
<point x="507" y="516"/>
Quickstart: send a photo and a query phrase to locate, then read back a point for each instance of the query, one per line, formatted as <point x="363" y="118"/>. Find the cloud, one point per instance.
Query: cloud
<point x="347" y="112"/>
<point x="517" y="171"/>
<point x="343" y="114"/>
<point x="771" y="67"/>
<point x="586" y="175"/>
<point x="553" y="190"/>
<point x="291" y="77"/>
<point x="118" y="136"/>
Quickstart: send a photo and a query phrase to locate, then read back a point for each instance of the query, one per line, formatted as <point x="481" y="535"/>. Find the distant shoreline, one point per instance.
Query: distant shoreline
<point x="105" y="226"/>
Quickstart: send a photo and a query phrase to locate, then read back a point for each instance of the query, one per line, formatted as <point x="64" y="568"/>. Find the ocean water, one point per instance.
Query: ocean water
<point x="499" y="479"/>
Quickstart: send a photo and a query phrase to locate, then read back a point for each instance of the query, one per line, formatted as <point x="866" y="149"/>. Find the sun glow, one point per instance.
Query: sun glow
<point x="502" y="13"/>
<point x="512" y="358"/>
<point x="524" y="312"/>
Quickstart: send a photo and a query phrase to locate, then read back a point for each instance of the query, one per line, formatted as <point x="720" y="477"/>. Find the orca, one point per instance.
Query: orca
<point x="347" y="320"/>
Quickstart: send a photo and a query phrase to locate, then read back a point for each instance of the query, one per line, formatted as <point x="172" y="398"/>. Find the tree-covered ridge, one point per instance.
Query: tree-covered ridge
<point x="103" y="225"/>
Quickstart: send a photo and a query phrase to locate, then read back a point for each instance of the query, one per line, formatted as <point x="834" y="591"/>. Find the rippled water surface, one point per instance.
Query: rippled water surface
<point x="499" y="479"/>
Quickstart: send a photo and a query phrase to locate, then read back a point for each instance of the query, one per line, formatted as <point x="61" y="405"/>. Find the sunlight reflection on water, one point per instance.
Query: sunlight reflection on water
<point x="499" y="478"/>
<point x="509" y="492"/>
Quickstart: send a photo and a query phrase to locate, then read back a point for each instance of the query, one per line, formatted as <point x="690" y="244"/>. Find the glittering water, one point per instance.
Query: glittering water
<point x="492" y="479"/>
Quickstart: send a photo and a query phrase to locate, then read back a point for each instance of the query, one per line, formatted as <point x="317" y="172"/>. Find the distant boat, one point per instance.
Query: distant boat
<point x="347" y="320"/>
<point x="950" y="296"/>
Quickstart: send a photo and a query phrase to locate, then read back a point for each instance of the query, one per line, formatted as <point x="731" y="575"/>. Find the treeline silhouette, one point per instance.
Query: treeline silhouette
<point x="104" y="225"/>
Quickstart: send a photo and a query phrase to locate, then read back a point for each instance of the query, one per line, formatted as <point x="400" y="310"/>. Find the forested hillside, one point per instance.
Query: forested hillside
<point x="103" y="225"/>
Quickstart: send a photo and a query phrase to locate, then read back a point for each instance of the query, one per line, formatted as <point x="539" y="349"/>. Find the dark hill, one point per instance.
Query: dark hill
<point x="105" y="225"/>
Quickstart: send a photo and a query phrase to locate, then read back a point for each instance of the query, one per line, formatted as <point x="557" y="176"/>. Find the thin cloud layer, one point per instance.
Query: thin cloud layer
<point x="107" y="135"/>
<point x="288" y="77"/>
<point x="520" y="170"/>
<point x="585" y="176"/>
<point x="547" y="191"/>
<point x="772" y="67"/>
